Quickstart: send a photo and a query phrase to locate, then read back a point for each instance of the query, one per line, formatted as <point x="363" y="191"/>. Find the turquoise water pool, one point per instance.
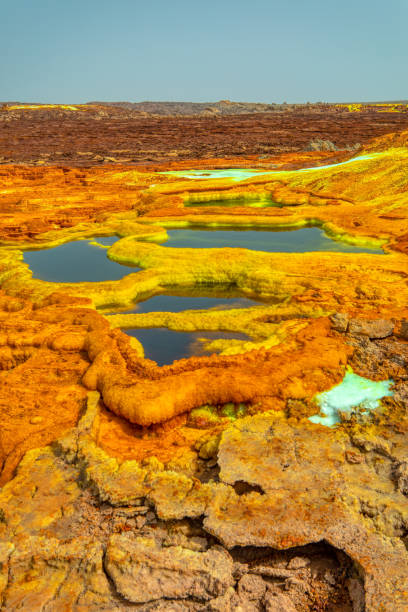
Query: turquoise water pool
<point x="353" y="392"/>
<point x="240" y="174"/>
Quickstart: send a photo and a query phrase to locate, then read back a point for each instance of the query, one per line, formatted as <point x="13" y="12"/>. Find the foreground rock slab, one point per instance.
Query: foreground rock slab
<point x="142" y="571"/>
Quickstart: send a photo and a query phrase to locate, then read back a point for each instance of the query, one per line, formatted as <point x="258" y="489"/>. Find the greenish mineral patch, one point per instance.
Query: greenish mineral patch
<point x="354" y="392"/>
<point x="207" y="415"/>
<point x="236" y="174"/>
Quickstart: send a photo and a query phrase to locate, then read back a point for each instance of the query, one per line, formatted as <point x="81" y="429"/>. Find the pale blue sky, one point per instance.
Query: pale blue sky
<point x="249" y="50"/>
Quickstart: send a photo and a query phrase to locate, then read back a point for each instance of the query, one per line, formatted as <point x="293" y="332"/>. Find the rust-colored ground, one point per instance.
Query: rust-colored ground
<point x="48" y="205"/>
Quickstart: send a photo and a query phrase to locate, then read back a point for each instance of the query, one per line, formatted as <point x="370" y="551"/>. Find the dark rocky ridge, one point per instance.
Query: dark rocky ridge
<point x="223" y="107"/>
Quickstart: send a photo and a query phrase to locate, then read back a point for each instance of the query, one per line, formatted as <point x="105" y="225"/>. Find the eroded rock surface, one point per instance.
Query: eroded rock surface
<point x="151" y="560"/>
<point x="143" y="572"/>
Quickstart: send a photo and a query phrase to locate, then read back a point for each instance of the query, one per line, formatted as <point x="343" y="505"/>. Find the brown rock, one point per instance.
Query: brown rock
<point x="278" y="602"/>
<point x="403" y="331"/>
<point x="251" y="587"/>
<point x="298" y="563"/>
<point x="224" y="603"/>
<point x="339" y="321"/>
<point x="377" y="328"/>
<point x="303" y="473"/>
<point x="47" y="574"/>
<point x="353" y="456"/>
<point x="402" y="477"/>
<point x="356" y="593"/>
<point x="143" y="571"/>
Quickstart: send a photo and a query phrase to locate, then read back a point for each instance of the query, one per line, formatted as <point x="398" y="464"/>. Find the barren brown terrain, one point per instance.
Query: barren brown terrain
<point x="105" y="134"/>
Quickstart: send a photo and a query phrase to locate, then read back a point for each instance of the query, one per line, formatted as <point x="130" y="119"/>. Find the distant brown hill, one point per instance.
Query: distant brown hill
<point x="223" y="107"/>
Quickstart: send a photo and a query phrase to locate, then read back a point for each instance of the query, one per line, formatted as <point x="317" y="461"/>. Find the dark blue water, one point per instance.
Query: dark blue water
<point x="272" y="241"/>
<point x="76" y="262"/>
<point x="165" y="345"/>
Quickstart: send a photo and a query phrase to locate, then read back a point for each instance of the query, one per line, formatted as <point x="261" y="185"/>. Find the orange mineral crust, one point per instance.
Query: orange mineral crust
<point x="37" y="200"/>
<point x="265" y="380"/>
<point x="41" y="365"/>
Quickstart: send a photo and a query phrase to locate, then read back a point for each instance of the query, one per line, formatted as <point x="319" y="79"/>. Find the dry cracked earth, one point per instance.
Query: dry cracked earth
<point x="119" y="490"/>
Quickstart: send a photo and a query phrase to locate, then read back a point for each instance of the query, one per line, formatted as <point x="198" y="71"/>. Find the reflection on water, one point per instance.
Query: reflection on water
<point x="264" y="202"/>
<point x="195" y="300"/>
<point x="85" y="261"/>
<point x="165" y="345"/>
<point x="272" y="241"/>
<point x="75" y="262"/>
<point x="105" y="240"/>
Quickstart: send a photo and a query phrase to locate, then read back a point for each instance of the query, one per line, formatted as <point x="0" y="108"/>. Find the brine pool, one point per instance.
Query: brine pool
<point x="85" y="261"/>
<point x="164" y="345"/>
<point x="354" y="393"/>
<point x="241" y="174"/>
<point x="306" y="239"/>
<point x="197" y="299"/>
<point x="76" y="262"/>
